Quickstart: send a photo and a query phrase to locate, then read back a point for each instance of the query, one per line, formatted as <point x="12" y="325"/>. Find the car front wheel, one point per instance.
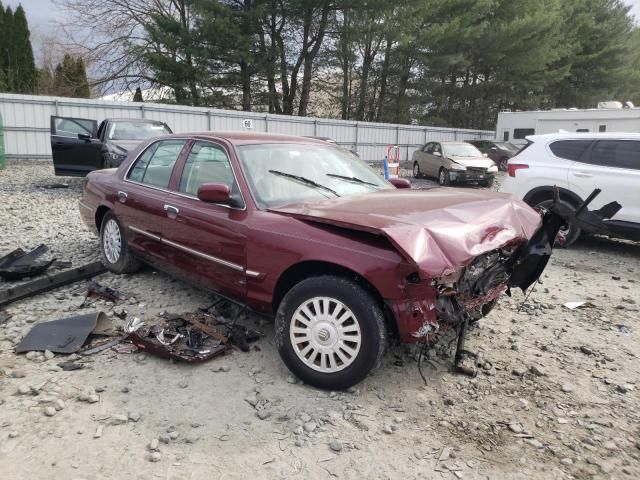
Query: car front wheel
<point x="116" y="255"/>
<point x="330" y="332"/>
<point x="416" y="170"/>
<point x="443" y="177"/>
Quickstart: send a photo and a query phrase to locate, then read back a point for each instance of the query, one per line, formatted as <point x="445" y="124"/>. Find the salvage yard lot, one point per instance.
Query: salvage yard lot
<point x="556" y="396"/>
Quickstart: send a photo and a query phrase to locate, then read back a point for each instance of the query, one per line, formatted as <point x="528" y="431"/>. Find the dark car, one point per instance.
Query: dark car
<point x="499" y="152"/>
<point x="305" y="231"/>
<point x="79" y="145"/>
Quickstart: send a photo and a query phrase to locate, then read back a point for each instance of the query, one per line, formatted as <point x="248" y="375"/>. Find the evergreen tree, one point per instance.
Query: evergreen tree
<point x="80" y="80"/>
<point x="70" y="78"/>
<point x="22" y="62"/>
<point x="4" y="49"/>
<point x="137" y="97"/>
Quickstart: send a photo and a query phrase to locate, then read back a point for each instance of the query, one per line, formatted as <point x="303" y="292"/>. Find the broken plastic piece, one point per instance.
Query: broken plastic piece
<point x="66" y="335"/>
<point x="19" y="264"/>
<point x="50" y="282"/>
<point x="574" y="305"/>
<point x="94" y="289"/>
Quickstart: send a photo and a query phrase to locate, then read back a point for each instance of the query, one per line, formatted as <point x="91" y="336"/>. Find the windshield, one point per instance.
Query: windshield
<point x="136" y="130"/>
<point x="507" y="146"/>
<point x="280" y="174"/>
<point x="460" y="150"/>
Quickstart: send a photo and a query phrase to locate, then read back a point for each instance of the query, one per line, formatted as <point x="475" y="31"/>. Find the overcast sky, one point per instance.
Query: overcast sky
<point x="42" y="14"/>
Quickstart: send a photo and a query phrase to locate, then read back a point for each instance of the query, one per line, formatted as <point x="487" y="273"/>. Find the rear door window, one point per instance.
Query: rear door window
<point x="155" y="165"/>
<point x="616" y="153"/>
<point x="569" y="149"/>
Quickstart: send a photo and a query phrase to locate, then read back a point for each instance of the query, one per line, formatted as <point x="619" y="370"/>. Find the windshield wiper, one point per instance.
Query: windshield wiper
<point x="351" y="179"/>
<point x="304" y="180"/>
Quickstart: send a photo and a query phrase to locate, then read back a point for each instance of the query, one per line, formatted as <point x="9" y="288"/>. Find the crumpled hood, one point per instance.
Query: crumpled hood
<point x="473" y="161"/>
<point x="440" y="229"/>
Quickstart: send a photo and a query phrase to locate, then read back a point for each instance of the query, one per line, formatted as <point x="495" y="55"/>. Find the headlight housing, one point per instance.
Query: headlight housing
<point x="457" y="166"/>
<point x="115" y="158"/>
<point x="492" y="168"/>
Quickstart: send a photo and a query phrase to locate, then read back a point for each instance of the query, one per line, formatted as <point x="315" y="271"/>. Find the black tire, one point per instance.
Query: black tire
<point x="366" y="313"/>
<point x="444" y="178"/>
<point x="571" y="233"/>
<point x="488" y="183"/>
<point x="502" y="164"/>
<point x="416" y="170"/>
<point x="125" y="261"/>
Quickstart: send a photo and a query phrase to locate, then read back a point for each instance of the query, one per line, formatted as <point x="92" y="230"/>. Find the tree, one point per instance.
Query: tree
<point x="137" y="97"/>
<point x="70" y="78"/>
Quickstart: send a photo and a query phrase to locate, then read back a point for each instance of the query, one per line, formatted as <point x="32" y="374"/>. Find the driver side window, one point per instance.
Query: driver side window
<point x="206" y="163"/>
<point x="428" y="148"/>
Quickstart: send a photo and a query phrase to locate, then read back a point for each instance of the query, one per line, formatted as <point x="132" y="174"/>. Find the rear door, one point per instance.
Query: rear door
<point x="75" y="149"/>
<point x="142" y="196"/>
<point x="426" y="159"/>
<point x="614" y="167"/>
<point x="209" y="240"/>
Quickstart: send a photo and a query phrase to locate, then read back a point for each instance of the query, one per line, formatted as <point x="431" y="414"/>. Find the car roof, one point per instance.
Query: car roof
<point x="583" y="136"/>
<point x="453" y="143"/>
<point x="246" y="138"/>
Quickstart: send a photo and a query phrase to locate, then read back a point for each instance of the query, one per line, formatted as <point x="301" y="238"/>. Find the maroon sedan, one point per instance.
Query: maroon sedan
<point x="305" y="231"/>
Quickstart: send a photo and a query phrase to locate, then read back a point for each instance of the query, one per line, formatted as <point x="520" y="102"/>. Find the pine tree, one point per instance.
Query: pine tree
<point x="80" y="79"/>
<point x="137" y="97"/>
<point x="4" y="49"/>
<point x="22" y="61"/>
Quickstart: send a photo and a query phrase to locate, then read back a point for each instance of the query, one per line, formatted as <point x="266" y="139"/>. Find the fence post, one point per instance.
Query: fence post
<point x="266" y="123"/>
<point x="142" y="114"/>
<point x="356" y="142"/>
<point x="1" y="144"/>
<point x="209" y="120"/>
<point x="315" y="128"/>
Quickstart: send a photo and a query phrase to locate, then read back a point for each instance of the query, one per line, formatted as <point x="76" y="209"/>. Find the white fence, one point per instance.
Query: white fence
<point x="27" y="123"/>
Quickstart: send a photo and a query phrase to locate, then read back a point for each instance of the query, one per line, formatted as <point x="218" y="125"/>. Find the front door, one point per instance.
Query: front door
<point x="142" y="196"/>
<point x="209" y="240"/>
<point x="75" y="149"/>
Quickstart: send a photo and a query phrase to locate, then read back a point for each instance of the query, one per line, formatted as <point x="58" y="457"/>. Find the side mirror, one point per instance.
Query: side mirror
<point x="214" y="193"/>
<point x="400" y="182"/>
<point x="437" y="154"/>
<point x="84" y="136"/>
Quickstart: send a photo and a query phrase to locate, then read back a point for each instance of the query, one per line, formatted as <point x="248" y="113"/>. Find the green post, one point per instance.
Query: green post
<point x="1" y="143"/>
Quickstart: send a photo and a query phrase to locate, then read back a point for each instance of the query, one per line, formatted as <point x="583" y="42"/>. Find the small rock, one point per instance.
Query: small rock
<point x="173" y="435"/>
<point x="263" y="414"/>
<point x="566" y="461"/>
<point x="49" y="411"/>
<point x="154" y="445"/>
<point x="32" y="355"/>
<point x="58" y="404"/>
<point x="491" y="372"/>
<point x="445" y="454"/>
<point x="537" y="370"/>
<point x="309" y="427"/>
<point x="13" y="434"/>
<point x="335" y="445"/>
<point x="567" y="387"/>
<point x="515" y="427"/>
<point x="586" y="350"/>
<point x="99" y="430"/>
<point x="18" y="374"/>
<point x="155" y="457"/>
<point x="118" y="419"/>
<point x="625" y="388"/>
<point x="610" y="445"/>
<point x="125" y="390"/>
<point x="352" y="390"/>
<point x="183" y="384"/>
<point x="534" y="443"/>
<point x="225" y="368"/>
<point x="299" y="442"/>
<point x="519" y="372"/>
<point x="387" y="429"/>
<point x="24" y="389"/>
<point x="93" y="398"/>
<point x="48" y="354"/>
<point x="133" y="416"/>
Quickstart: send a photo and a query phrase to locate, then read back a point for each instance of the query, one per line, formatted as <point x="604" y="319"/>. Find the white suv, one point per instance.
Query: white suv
<point x="578" y="163"/>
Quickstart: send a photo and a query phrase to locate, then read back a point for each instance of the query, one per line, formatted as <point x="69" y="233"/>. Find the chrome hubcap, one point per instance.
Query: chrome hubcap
<point x="416" y="170"/>
<point x="442" y="177"/>
<point x="325" y="334"/>
<point x="112" y="241"/>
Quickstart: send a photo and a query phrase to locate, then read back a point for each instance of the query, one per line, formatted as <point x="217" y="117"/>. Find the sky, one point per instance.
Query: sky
<point x="42" y="15"/>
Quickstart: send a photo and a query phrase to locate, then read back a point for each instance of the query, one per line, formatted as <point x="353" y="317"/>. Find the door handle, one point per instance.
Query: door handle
<point x="582" y="174"/>
<point x="171" y="209"/>
<point x="122" y="196"/>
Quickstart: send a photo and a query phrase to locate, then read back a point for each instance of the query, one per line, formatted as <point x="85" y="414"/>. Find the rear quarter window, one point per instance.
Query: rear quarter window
<point x="569" y="149"/>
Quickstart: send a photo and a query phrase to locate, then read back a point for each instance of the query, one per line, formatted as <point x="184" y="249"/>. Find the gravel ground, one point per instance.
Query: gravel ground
<point x="555" y="398"/>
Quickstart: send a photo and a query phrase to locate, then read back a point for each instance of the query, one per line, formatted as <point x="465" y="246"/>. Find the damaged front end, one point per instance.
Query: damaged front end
<point x="475" y="291"/>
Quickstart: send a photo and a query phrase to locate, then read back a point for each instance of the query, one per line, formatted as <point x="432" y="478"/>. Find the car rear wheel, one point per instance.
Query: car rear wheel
<point x="116" y="255"/>
<point x="330" y="332"/>
<point x="443" y="177"/>
<point x="416" y="170"/>
<point x="568" y="234"/>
